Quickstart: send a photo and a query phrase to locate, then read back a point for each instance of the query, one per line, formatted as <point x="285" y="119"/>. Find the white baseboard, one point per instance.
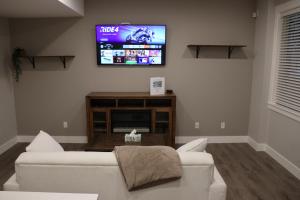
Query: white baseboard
<point x="7" y="145"/>
<point x="178" y="139"/>
<point x="213" y="139"/>
<point x="291" y="167"/>
<point x="60" y="139"/>
<point x="255" y="145"/>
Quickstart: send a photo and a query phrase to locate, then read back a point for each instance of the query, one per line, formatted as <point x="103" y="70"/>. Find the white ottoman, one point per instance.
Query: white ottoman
<point x="45" y="196"/>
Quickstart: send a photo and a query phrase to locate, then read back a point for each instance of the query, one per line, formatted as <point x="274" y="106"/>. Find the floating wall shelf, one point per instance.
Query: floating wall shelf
<point x="229" y="47"/>
<point x="63" y="59"/>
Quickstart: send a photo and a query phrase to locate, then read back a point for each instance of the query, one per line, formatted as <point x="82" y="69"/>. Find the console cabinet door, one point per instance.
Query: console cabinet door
<point x="98" y="123"/>
<point x="162" y="124"/>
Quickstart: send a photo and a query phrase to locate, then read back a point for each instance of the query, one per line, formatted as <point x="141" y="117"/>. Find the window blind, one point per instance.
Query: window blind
<point x="287" y="92"/>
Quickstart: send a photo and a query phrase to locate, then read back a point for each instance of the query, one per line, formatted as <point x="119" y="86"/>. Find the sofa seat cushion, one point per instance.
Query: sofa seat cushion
<point x="46" y="196"/>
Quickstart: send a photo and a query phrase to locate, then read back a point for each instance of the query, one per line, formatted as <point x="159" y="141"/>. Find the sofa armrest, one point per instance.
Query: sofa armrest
<point x="11" y="184"/>
<point x="218" y="188"/>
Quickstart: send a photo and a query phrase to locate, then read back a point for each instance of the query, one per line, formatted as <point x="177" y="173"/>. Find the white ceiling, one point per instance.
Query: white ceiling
<point x="41" y="8"/>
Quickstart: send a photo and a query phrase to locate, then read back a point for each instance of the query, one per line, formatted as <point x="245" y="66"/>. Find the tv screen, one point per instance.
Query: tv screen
<point x="131" y="44"/>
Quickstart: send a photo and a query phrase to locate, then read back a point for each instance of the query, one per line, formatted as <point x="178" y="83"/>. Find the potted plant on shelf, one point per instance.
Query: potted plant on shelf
<point x="17" y="53"/>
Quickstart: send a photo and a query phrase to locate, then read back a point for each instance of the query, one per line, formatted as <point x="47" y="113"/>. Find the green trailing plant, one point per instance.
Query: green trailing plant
<point x="16" y="60"/>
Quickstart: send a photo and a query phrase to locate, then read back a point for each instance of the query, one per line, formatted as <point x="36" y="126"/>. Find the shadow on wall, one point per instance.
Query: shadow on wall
<point x="7" y="73"/>
<point x="28" y="33"/>
<point x="214" y="53"/>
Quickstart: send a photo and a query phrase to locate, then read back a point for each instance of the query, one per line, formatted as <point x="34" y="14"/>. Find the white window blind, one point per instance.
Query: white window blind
<point x="287" y="91"/>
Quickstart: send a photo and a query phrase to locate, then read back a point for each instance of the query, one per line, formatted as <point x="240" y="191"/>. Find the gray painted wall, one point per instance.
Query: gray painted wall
<point x="259" y="96"/>
<point x="209" y="90"/>
<point x="8" y="127"/>
<point x="266" y="126"/>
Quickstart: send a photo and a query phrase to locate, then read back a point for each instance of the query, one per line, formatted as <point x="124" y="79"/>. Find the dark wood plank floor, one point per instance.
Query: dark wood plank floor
<point x="249" y="175"/>
<point x="252" y="175"/>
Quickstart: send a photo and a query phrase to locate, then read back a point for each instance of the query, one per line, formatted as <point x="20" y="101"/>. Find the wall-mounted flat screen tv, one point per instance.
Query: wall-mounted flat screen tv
<point x="131" y="44"/>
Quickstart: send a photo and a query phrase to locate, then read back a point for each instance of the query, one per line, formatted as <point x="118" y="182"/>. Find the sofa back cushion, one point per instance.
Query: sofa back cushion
<point x="98" y="172"/>
<point x="43" y="142"/>
<point x="197" y="145"/>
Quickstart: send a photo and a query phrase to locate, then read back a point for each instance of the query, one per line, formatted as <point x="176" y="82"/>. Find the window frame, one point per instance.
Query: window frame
<point x="280" y="11"/>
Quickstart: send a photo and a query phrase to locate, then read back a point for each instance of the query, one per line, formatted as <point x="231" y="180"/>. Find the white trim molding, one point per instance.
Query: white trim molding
<point x="7" y="145"/>
<point x="281" y="10"/>
<point x="213" y="139"/>
<point x="178" y="139"/>
<point x="288" y="165"/>
<point x="60" y="139"/>
<point x="281" y="110"/>
<point x="292" y="168"/>
<point x="256" y="146"/>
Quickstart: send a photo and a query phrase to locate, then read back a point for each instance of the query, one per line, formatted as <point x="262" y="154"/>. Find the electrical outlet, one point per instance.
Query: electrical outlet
<point x="65" y="124"/>
<point x="223" y="125"/>
<point x="197" y="125"/>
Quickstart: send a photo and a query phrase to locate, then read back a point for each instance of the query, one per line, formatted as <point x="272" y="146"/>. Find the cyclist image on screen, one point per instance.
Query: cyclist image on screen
<point x="141" y="36"/>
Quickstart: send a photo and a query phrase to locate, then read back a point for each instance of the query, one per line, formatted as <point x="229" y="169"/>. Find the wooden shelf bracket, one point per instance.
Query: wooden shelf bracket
<point x="230" y="48"/>
<point x="63" y="59"/>
<point x="31" y="60"/>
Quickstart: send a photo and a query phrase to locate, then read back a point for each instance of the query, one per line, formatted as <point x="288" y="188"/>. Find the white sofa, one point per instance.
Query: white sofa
<point x="98" y="172"/>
